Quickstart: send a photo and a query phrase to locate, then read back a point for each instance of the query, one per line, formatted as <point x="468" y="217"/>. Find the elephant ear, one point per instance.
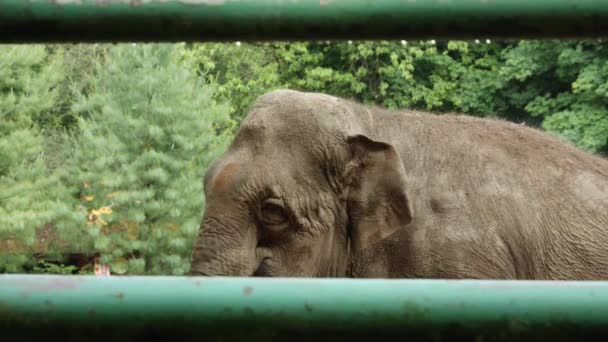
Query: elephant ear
<point x="378" y="204"/>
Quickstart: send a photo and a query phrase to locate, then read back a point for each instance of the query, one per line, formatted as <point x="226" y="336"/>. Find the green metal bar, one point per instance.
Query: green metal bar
<point x="225" y="20"/>
<point x="219" y="306"/>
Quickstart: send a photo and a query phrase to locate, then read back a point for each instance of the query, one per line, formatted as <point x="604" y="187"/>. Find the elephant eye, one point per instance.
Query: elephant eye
<point x="273" y="213"/>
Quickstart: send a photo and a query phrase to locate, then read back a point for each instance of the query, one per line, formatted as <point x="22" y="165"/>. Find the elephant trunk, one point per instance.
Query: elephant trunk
<point x="221" y="251"/>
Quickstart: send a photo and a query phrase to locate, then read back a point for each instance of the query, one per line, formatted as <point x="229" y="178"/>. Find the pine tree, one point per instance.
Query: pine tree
<point x="147" y="129"/>
<point x="29" y="192"/>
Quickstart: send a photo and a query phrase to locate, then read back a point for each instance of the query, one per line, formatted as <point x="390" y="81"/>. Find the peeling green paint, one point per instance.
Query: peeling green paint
<point x="348" y="307"/>
<point x="137" y="2"/>
<point x="248" y="20"/>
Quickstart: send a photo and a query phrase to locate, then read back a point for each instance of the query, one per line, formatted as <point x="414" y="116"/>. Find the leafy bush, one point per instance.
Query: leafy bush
<point x="147" y="129"/>
<point x="30" y="194"/>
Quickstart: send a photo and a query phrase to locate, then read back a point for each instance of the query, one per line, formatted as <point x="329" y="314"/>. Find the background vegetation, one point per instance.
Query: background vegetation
<point x="103" y="147"/>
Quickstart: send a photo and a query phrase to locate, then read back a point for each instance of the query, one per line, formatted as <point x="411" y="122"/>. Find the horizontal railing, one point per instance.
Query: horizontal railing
<point x="32" y="304"/>
<point x="227" y="20"/>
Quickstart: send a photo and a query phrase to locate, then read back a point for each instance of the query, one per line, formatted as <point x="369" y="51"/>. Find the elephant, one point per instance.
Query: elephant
<point x="319" y="186"/>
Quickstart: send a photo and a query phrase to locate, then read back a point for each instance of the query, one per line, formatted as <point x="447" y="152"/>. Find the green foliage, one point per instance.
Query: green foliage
<point x="79" y="62"/>
<point x="242" y="72"/>
<point x="557" y="85"/>
<point x="30" y="194"/>
<point x="572" y="97"/>
<point x="147" y="129"/>
<point x="52" y="268"/>
<point x="29" y="77"/>
<point x="424" y="75"/>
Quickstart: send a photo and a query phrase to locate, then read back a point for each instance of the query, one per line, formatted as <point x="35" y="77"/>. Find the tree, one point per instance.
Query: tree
<point x="559" y="86"/>
<point x="30" y="193"/>
<point x="573" y="101"/>
<point x="147" y="129"/>
<point x="242" y="72"/>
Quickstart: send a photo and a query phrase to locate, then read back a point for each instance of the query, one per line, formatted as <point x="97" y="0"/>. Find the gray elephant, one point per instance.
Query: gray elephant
<point x="318" y="186"/>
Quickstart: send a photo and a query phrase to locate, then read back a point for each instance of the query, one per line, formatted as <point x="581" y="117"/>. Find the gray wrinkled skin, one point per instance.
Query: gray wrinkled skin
<point x="317" y="186"/>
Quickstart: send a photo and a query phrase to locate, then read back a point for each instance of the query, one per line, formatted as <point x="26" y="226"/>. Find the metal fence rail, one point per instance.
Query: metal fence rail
<point x="211" y="307"/>
<point x="225" y="20"/>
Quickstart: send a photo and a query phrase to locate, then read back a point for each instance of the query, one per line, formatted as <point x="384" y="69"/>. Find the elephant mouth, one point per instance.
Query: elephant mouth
<point x="263" y="270"/>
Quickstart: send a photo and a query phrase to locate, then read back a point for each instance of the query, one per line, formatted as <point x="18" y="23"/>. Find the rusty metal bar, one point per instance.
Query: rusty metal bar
<point x="229" y="20"/>
<point x="131" y="307"/>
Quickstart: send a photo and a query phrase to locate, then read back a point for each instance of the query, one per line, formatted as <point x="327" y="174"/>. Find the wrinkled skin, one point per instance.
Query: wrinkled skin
<point x="317" y="186"/>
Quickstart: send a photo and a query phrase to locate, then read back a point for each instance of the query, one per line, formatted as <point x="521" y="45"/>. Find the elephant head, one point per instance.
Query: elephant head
<point x="303" y="187"/>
